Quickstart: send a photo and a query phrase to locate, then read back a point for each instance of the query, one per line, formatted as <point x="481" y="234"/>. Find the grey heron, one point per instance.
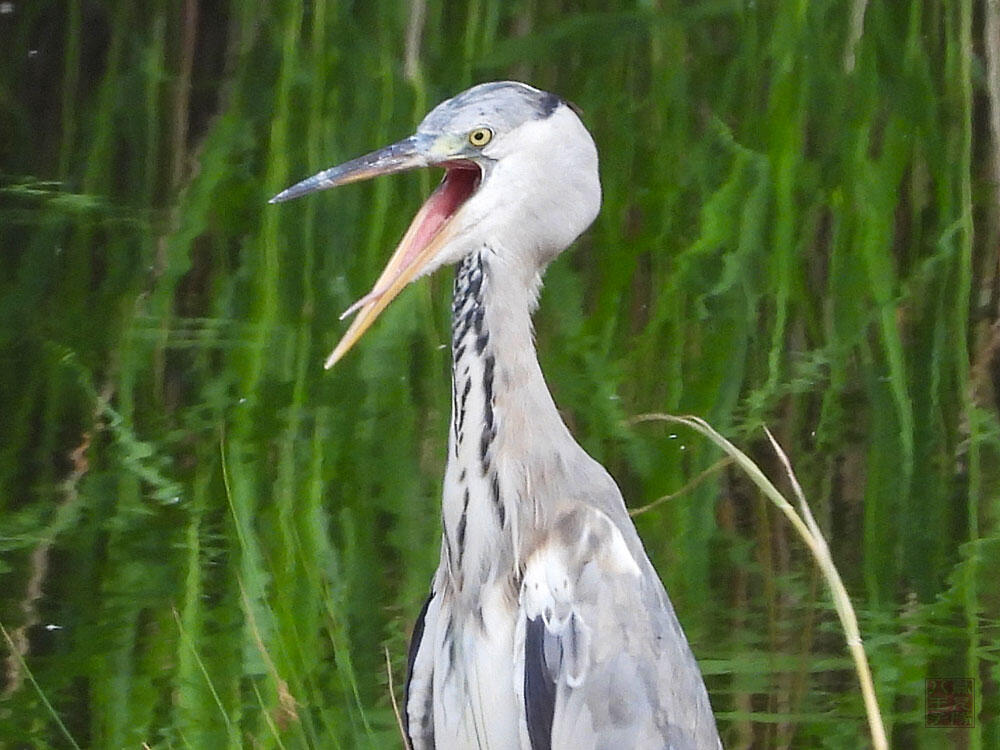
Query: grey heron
<point x="546" y="624"/>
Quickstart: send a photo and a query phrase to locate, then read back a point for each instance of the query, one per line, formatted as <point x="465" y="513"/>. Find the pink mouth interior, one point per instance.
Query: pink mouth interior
<point x="460" y="182"/>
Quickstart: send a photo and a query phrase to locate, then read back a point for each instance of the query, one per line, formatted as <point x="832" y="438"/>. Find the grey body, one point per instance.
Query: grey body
<point x="547" y="626"/>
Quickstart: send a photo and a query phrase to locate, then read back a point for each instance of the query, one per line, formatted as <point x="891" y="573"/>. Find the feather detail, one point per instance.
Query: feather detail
<point x="539" y="687"/>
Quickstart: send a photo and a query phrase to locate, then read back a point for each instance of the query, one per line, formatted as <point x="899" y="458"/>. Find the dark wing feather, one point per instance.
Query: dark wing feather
<point x="411" y="658"/>
<point x="539" y="687"/>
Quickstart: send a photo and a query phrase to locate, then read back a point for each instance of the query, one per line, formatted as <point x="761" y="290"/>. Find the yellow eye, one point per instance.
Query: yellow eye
<point x="480" y="137"/>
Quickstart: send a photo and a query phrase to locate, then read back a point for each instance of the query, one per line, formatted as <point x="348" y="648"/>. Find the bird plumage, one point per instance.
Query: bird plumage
<point x="546" y="625"/>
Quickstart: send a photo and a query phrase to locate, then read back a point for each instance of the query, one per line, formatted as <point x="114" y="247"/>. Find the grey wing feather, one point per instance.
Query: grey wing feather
<point x="623" y="674"/>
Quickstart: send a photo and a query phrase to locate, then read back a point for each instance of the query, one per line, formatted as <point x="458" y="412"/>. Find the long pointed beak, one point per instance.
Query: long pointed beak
<point x="430" y="230"/>
<point x="399" y="157"/>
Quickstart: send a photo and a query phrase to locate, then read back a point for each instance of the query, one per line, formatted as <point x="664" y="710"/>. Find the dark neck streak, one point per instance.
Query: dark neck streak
<point x="472" y="504"/>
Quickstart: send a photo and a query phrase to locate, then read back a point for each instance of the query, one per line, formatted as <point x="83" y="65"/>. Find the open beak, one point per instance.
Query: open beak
<point x="430" y="230"/>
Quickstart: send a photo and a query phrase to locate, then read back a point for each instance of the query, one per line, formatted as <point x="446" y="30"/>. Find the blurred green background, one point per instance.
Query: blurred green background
<point x="207" y="541"/>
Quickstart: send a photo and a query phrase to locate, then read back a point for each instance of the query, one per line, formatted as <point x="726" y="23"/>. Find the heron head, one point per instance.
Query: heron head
<point x="520" y="178"/>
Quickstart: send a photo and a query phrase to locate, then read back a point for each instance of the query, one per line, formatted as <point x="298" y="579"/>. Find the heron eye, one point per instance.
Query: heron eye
<point x="480" y="137"/>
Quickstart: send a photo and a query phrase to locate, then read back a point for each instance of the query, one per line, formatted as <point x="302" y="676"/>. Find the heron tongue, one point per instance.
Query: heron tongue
<point x="427" y="233"/>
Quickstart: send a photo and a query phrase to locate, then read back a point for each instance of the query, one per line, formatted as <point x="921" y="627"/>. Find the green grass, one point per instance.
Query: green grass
<point x="206" y="540"/>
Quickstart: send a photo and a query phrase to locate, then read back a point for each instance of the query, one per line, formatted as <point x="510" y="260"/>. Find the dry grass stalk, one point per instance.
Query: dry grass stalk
<point x="810" y="532"/>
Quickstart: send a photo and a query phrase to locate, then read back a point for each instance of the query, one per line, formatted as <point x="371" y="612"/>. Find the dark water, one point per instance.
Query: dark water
<point x="209" y="541"/>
